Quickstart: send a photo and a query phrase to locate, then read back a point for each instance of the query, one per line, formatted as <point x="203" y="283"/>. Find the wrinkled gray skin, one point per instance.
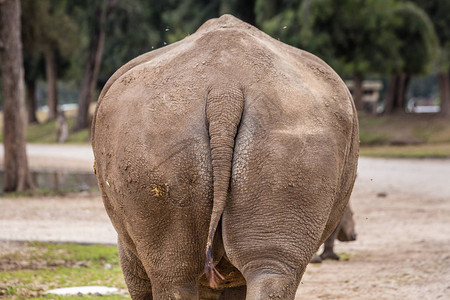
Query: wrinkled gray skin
<point x="344" y="232"/>
<point x="226" y="125"/>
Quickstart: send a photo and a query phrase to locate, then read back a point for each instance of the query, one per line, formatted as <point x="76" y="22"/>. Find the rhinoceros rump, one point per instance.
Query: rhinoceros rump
<point x="231" y="143"/>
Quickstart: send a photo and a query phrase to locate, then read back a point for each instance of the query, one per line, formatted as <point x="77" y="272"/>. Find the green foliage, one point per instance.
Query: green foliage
<point x="439" y="13"/>
<point x="243" y="10"/>
<point x="353" y="36"/>
<point x="370" y="37"/>
<point x="184" y="17"/>
<point x="418" y="41"/>
<point x="133" y="28"/>
<point x="282" y="20"/>
<point x="47" y="24"/>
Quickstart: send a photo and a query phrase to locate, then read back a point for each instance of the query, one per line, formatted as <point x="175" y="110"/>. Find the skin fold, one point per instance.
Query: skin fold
<point x="225" y="160"/>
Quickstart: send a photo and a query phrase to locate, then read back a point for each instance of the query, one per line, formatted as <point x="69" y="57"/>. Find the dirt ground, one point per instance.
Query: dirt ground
<point x="402" y="213"/>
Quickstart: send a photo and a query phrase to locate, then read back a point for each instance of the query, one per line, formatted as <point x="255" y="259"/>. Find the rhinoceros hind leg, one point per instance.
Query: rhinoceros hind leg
<point x="271" y="286"/>
<point x="136" y="278"/>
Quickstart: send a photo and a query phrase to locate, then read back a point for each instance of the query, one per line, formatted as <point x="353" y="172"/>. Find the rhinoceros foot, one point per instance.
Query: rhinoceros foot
<point x="329" y="255"/>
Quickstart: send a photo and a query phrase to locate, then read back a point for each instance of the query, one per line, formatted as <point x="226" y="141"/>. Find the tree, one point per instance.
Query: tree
<point x="159" y="23"/>
<point x="439" y="12"/>
<point x="354" y="37"/>
<point x="417" y="51"/>
<point x="31" y="55"/>
<point x="244" y="10"/>
<point x="124" y="42"/>
<point x="32" y="62"/>
<point x="17" y="175"/>
<point x="282" y="20"/>
<point x="183" y="17"/>
<point x="50" y="32"/>
<point x="89" y="81"/>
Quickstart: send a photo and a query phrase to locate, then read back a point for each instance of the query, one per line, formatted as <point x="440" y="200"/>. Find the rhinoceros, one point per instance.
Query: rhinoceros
<point x="225" y="160"/>
<point x="344" y="232"/>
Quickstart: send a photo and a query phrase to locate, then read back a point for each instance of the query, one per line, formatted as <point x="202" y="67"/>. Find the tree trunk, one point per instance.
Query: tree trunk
<point x="444" y="91"/>
<point x="402" y="88"/>
<point x="31" y="101"/>
<point x="396" y="94"/>
<point x="390" y="95"/>
<point x="93" y="66"/>
<point x="358" y="91"/>
<point x="52" y="89"/>
<point x="17" y="176"/>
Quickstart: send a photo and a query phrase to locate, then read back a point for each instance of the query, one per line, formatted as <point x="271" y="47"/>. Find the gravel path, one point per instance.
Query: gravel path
<point x="76" y="218"/>
<point x="402" y="213"/>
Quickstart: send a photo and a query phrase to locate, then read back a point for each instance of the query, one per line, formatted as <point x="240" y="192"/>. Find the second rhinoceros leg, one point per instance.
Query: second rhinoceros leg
<point x="328" y="252"/>
<point x="136" y="278"/>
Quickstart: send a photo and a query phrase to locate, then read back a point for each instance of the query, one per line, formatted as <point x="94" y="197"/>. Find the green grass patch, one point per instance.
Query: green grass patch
<point x="405" y="136"/>
<point x="372" y="138"/>
<point x="45" y="133"/>
<point x="410" y="151"/>
<point x="404" y="129"/>
<point x="344" y="256"/>
<point x="434" y="133"/>
<point x="38" y="267"/>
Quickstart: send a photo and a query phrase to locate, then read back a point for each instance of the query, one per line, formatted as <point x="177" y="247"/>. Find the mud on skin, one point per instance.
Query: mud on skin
<point x="228" y="139"/>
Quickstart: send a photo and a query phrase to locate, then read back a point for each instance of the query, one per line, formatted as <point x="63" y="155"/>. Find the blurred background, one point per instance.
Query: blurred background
<point x="394" y="56"/>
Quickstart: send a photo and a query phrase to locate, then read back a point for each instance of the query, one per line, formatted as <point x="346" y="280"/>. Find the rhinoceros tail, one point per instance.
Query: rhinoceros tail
<point x="224" y="107"/>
